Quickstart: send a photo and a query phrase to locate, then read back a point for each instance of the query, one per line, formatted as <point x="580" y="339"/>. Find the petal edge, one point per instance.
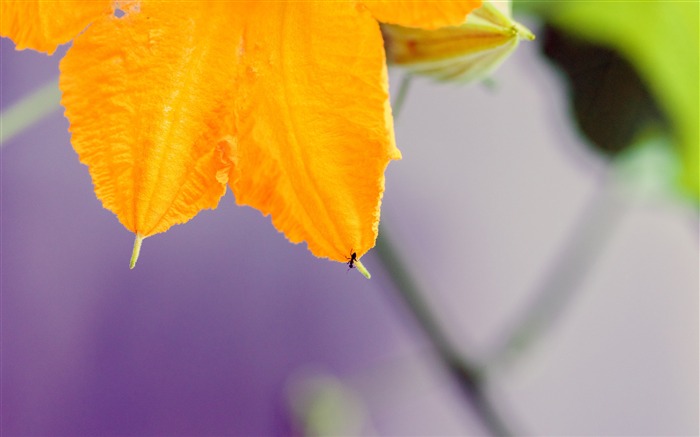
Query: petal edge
<point x="421" y="14"/>
<point x="44" y="25"/>
<point x="148" y="100"/>
<point x="315" y="128"/>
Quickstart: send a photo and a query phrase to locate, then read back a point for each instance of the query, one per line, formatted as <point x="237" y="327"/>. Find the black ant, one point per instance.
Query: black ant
<point x="354" y="263"/>
<point x="352" y="260"/>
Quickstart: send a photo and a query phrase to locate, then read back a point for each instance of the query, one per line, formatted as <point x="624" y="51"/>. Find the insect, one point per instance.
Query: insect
<point x="352" y="260"/>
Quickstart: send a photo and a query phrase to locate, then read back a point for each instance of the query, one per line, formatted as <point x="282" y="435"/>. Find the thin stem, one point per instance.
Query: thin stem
<point x="560" y="286"/>
<point x="29" y="110"/>
<point x="136" y="251"/>
<point x="400" y="98"/>
<point x="469" y="376"/>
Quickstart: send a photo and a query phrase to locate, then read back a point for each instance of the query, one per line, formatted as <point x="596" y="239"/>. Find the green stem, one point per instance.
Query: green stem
<point x="136" y="251"/>
<point x="469" y="377"/>
<point x="565" y="276"/>
<point x="400" y="98"/>
<point x="362" y="269"/>
<point x="29" y="110"/>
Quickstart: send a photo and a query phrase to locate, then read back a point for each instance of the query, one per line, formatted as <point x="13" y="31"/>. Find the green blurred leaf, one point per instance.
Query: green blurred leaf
<point x="324" y="406"/>
<point x="662" y="40"/>
<point x="649" y="169"/>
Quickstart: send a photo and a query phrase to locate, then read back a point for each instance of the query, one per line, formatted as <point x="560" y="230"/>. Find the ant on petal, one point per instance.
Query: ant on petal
<point x="352" y="260"/>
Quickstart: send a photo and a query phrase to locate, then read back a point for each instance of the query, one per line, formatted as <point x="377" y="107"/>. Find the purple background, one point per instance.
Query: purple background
<point x="222" y="316"/>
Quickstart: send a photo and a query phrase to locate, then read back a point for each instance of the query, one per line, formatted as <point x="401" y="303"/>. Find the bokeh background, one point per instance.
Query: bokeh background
<point x="225" y="328"/>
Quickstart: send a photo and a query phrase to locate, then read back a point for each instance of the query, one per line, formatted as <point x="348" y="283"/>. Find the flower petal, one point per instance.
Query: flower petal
<point x="147" y="97"/>
<point x="315" y="129"/>
<point x="423" y="14"/>
<point x="464" y="53"/>
<point x="44" y="25"/>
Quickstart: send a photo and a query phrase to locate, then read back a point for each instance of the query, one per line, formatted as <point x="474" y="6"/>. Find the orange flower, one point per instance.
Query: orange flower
<point x="284" y="102"/>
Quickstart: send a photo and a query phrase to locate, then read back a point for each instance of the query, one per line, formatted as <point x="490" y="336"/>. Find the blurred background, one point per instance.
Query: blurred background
<point x="566" y="272"/>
